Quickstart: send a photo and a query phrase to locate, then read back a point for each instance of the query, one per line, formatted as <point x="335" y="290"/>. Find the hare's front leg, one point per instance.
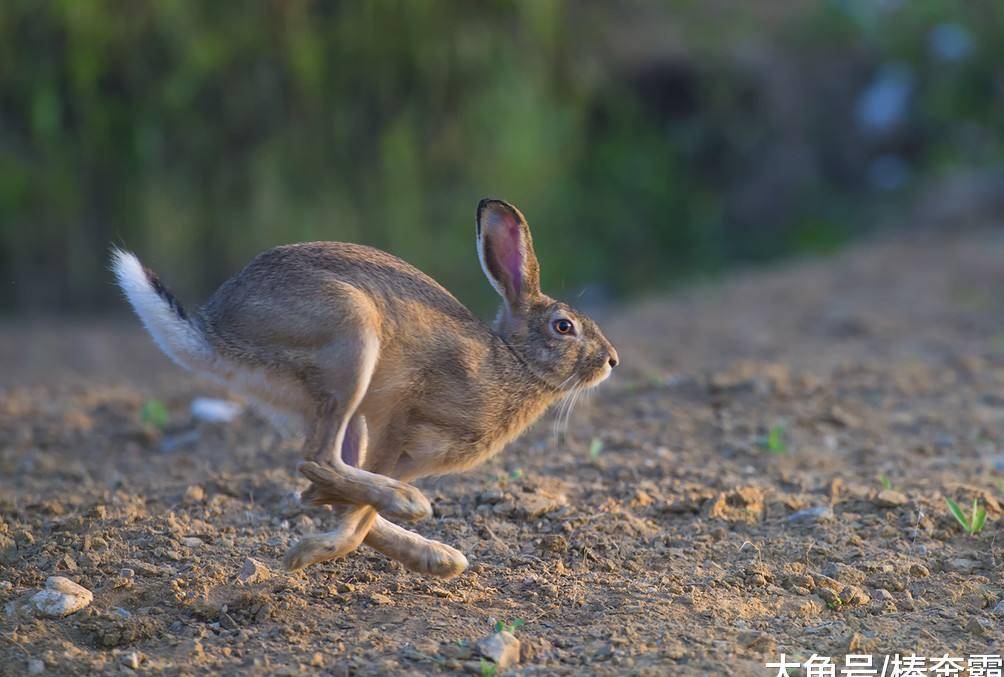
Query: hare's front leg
<point x="342" y="384"/>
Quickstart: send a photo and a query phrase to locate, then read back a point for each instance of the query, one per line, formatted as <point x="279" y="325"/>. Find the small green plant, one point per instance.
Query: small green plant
<point x="595" y="448"/>
<point x="516" y="474"/>
<point x="835" y="603"/>
<point x="973" y="524"/>
<point x="154" y="413"/>
<point x="774" y="441"/>
<point x="509" y="627"/>
<point x="488" y="669"/>
<point x="885" y="481"/>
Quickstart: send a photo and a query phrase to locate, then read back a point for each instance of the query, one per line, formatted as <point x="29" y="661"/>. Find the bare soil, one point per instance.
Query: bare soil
<point x="766" y="473"/>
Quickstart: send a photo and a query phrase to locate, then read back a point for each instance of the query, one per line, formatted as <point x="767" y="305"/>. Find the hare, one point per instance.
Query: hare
<point x="390" y="376"/>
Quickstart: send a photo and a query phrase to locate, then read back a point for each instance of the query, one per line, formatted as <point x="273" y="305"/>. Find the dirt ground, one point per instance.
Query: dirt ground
<point x="765" y="473"/>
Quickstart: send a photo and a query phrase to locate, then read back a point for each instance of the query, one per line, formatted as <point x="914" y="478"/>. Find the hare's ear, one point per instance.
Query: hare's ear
<point x="506" y="251"/>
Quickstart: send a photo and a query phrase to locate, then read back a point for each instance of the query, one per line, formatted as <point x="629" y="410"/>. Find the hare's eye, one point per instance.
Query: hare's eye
<point x="564" y="326"/>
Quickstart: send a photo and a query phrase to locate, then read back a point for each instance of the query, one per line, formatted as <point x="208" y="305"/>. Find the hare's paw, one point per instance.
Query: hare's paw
<point x="320" y="548"/>
<point x="441" y="561"/>
<point x="317" y="496"/>
<point x="405" y="503"/>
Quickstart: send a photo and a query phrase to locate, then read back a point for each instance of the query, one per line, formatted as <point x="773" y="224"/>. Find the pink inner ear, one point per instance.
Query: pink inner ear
<point x="506" y="249"/>
<point x="512" y="258"/>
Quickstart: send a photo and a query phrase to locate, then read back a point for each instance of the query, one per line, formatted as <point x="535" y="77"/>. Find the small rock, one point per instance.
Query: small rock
<point x="131" y="660"/>
<point x="821" y="513"/>
<point x="227" y="621"/>
<point x="6" y="586"/>
<point x="502" y="648"/>
<point x="61" y="597"/>
<point x="742" y="504"/>
<point x="859" y="643"/>
<point x="802" y="581"/>
<point x="195" y="494"/>
<point x="758" y="642"/>
<point x="538" y="503"/>
<point x="999" y="609"/>
<point x="304" y="524"/>
<point x="380" y="598"/>
<point x="919" y="570"/>
<point x="35" y="667"/>
<point x="491" y="496"/>
<point x="212" y="410"/>
<point x="883" y="594"/>
<point x="843" y="573"/>
<point x="317" y="660"/>
<point x="852" y="594"/>
<point x="253" y="572"/>
<point x="962" y="565"/>
<point x="978" y="626"/>
<point x="888" y="498"/>
<point x="831" y="598"/>
<point x="121" y="613"/>
<point x="192" y="542"/>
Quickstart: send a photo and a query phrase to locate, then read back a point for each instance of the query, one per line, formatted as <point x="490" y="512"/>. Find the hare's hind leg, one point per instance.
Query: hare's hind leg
<point x="344" y="380"/>
<point x="415" y="552"/>
<point x="353" y="524"/>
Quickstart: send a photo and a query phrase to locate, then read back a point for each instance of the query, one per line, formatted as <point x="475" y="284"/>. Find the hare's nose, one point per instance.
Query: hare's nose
<point x="613" y="360"/>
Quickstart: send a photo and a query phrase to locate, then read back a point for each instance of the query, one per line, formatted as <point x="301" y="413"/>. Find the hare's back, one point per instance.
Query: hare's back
<point x="299" y="294"/>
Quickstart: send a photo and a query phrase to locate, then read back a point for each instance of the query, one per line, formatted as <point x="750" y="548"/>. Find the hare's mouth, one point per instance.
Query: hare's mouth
<point x="601" y="377"/>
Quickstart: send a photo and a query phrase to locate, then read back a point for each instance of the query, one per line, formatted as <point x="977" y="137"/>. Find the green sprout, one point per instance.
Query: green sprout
<point x="509" y="627"/>
<point x="154" y="413"/>
<point x="886" y="482"/>
<point x="774" y="441"/>
<point x="973" y="524"/>
<point x="488" y="669"/>
<point x="595" y="448"/>
<point x="516" y="474"/>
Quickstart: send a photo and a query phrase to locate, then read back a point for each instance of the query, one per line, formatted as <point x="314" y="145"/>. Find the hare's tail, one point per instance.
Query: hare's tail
<point x="172" y="328"/>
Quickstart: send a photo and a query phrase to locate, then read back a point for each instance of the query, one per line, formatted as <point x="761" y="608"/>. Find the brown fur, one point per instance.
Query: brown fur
<point x="371" y="352"/>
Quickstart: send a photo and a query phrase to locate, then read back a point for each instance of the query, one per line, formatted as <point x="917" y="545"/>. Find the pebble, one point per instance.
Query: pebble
<point x="888" y="498"/>
<point x="131" y="660"/>
<point x="502" y="648"/>
<point x="852" y="594"/>
<point x="35" y="667"/>
<point x="61" y="597"/>
<point x="843" y="573"/>
<point x="192" y="542"/>
<point x="978" y="626"/>
<point x="919" y="570"/>
<point x="999" y="609"/>
<point x="195" y="494"/>
<point x="253" y="572"/>
<point x="213" y="410"/>
<point x="962" y="565"/>
<point x="758" y="642"/>
<point x="821" y="513"/>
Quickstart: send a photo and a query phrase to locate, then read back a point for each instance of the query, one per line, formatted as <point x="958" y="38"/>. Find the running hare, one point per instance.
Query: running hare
<point x="390" y="376"/>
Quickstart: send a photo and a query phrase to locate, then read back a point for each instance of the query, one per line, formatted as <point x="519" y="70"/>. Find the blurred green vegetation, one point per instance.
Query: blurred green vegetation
<point x="645" y="142"/>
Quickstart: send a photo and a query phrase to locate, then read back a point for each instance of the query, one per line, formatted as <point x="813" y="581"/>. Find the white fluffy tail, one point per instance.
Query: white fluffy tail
<point x="160" y="312"/>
